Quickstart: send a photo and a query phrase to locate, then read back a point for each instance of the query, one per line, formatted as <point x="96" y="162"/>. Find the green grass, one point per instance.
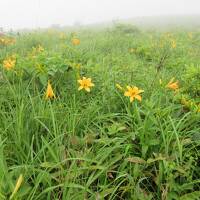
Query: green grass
<point x="98" y="145"/>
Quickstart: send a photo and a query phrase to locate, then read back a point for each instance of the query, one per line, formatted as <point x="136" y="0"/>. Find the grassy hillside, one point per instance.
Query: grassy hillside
<point x="168" y="22"/>
<point x="134" y="134"/>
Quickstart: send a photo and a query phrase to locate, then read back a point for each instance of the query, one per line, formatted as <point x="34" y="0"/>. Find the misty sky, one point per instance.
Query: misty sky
<point x="43" y="13"/>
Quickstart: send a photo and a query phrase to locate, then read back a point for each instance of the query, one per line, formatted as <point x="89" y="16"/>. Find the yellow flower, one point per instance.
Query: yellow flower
<point x="173" y="44"/>
<point x="185" y="102"/>
<point x="2" y="40"/>
<point x="37" y="49"/>
<point x="17" y="186"/>
<point x="11" y="41"/>
<point x="75" y="41"/>
<point x="78" y="66"/>
<point x="6" y="41"/>
<point x="168" y="35"/>
<point x="118" y="86"/>
<point x="190" y="35"/>
<point x="173" y="85"/>
<point x="9" y="63"/>
<point x="85" y="83"/>
<point x="49" y="92"/>
<point x="132" y="50"/>
<point x="133" y="93"/>
<point x="40" y="48"/>
<point x="62" y="36"/>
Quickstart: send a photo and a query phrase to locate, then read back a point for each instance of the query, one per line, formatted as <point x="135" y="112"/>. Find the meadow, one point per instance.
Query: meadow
<point x="100" y="114"/>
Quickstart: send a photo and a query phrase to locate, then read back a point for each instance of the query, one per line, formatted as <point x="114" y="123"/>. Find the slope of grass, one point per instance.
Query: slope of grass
<point x="98" y="145"/>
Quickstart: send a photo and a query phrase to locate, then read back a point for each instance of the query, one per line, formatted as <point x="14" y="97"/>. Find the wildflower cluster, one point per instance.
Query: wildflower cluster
<point x="85" y="83"/>
<point x="173" y="44"/>
<point x="37" y="49"/>
<point x="132" y="92"/>
<point x="75" y="41"/>
<point x="5" y="41"/>
<point x="9" y="63"/>
<point x="49" y="92"/>
<point x="173" y="85"/>
<point x="189" y="104"/>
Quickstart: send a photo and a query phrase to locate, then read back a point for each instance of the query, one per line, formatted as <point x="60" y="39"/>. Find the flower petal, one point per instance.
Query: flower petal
<point x="140" y="91"/>
<point x="80" y="88"/>
<point x="128" y="87"/>
<point x="138" y="97"/>
<point x="127" y="94"/>
<point x="172" y="79"/>
<point x="87" y="89"/>
<point x="131" y="99"/>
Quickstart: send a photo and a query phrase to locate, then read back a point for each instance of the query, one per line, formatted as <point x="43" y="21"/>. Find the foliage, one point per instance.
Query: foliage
<point x="98" y="144"/>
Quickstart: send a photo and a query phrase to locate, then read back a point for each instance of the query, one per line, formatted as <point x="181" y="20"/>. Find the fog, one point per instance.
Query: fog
<point x="18" y="14"/>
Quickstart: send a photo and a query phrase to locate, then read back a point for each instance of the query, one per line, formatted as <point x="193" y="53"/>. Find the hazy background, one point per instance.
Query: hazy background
<point x="18" y="14"/>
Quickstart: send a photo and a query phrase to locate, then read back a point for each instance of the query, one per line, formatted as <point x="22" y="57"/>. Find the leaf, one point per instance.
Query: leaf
<point x="186" y="141"/>
<point x="196" y="137"/>
<point x="136" y="160"/>
<point x="43" y="79"/>
<point x="191" y="196"/>
<point x="181" y="170"/>
<point x="153" y="142"/>
<point x="47" y="165"/>
<point x="106" y="192"/>
<point x="150" y="160"/>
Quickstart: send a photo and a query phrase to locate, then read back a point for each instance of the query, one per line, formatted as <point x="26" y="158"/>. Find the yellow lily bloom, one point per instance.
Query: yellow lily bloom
<point x="173" y="85"/>
<point x="49" y="92"/>
<point x="132" y="50"/>
<point x="6" y="41"/>
<point x="133" y="93"/>
<point x="62" y="36"/>
<point x="85" y="83"/>
<point x="118" y="86"/>
<point x="190" y="35"/>
<point x="173" y="44"/>
<point x="9" y="63"/>
<point x="40" y="48"/>
<point x="75" y="41"/>
<point x="185" y="102"/>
